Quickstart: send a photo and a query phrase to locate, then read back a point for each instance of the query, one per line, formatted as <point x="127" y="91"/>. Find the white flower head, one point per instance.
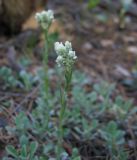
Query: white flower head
<point x="60" y="48"/>
<point x="50" y="14"/>
<point x="66" y="56"/>
<point x="68" y="45"/>
<point x="38" y="17"/>
<point x="72" y="54"/>
<point x="44" y="18"/>
<point x="59" y="60"/>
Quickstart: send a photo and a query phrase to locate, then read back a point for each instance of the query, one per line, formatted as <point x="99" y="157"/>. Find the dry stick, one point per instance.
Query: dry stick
<point x="12" y="94"/>
<point x="104" y="68"/>
<point x="34" y="91"/>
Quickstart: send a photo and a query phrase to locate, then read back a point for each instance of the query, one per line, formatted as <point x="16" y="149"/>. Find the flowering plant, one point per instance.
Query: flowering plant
<point x="66" y="58"/>
<point x="45" y="18"/>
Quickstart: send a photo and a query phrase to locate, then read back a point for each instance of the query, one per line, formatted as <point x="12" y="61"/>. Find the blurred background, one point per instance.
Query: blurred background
<point x="103" y="33"/>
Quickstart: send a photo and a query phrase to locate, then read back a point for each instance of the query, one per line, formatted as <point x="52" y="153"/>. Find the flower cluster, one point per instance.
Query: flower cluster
<point x="45" y="18"/>
<point x="66" y="56"/>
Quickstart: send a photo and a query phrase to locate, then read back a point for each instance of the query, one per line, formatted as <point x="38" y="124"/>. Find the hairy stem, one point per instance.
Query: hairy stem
<point x="46" y="79"/>
<point x="63" y="101"/>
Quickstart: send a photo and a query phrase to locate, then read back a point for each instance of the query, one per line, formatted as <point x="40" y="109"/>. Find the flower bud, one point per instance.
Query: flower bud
<point x="44" y="18"/>
<point x="66" y="56"/>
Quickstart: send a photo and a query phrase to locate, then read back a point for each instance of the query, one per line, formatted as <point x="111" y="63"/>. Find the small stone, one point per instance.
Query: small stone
<point x="107" y="43"/>
<point x="87" y="46"/>
<point x="132" y="49"/>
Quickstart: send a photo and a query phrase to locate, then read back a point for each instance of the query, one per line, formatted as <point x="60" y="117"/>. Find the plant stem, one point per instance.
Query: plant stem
<point x="63" y="101"/>
<point x="122" y="18"/>
<point x="68" y="77"/>
<point x="46" y="80"/>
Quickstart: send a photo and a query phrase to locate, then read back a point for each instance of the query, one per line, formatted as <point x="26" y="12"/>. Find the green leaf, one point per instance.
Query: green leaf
<point x="112" y="128"/>
<point x="5" y="158"/>
<point x="43" y="158"/>
<point x="93" y="3"/>
<point x="53" y="37"/>
<point x="48" y="148"/>
<point x="77" y="158"/>
<point x="36" y="158"/>
<point x="12" y="151"/>
<point x="75" y="154"/>
<point x="128" y="105"/>
<point x="33" y="148"/>
<point x="22" y="122"/>
<point x="23" y="140"/>
<point x="122" y="155"/>
<point x="94" y="124"/>
<point x="24" y="152"/>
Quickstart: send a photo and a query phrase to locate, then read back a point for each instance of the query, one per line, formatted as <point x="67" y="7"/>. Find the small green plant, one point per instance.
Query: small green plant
<point x="45" y="19"/>
<point x="7" y="76"/>
<point x="66" y="58"/>
<point x="26" y="151"/>
<point x="114" y="138"/>
<point x="27" y="80"/>
<point x="11" y="80"/>
<point x="121" y="107"/>
<point x="126" y="4"/>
